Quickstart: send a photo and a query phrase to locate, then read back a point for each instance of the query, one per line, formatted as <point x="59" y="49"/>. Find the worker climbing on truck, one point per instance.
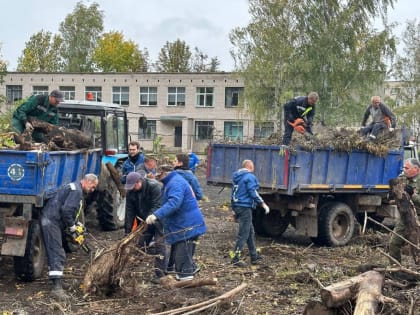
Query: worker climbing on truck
<point x="59" y="216"/>
<point x="42" y="107"/>
<point x="298" y="115"/>
<point x="382" y="119"/>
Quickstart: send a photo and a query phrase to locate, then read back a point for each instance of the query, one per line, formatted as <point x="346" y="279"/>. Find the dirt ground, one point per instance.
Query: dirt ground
<point x="289" y="277"/>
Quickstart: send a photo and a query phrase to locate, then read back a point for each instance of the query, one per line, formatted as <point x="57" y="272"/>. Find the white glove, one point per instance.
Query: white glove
<point x="391" y="129"/>
<point x="266" y="208"/>
<point x="151" y="219"/>
<point x="28" y="126"/>
<point x="72" y="228"/>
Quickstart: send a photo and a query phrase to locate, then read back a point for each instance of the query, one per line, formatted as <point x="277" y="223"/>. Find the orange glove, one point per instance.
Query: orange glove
<point x="297" y="122"/>
<point x="300" y="129"/>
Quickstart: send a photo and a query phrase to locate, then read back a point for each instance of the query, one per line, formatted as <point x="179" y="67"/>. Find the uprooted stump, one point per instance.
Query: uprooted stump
<point x="105" y="271"/>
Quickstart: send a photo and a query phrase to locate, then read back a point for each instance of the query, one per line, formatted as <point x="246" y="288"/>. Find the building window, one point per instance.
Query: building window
<point x="204" y="96"/>
<point x="40" y="90"/>
<point x="120" y="95"/>
<point x="69" y="92"/>
<point x="176" y="96"/>
<point x="232" y="96"/>
<point x="149" y="132"/>
<point x="96" y="92"/>
<point x="204" y="130"/>
<point x="13" y="93"/>
<point x="263" y="130"/>
<point x="234" y="130"/>
<point x="148" y="96"/>
<point x="395" y="91"/>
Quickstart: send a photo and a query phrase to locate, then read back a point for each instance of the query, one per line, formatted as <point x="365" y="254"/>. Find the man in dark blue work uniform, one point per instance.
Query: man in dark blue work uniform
<point x="59" y="214"/>
<point x="298" y="115"/>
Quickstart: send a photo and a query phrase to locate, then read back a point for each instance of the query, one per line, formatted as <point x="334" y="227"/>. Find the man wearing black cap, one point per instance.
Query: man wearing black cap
<point x="42" y="107"/>
<point x="144" y="197"/>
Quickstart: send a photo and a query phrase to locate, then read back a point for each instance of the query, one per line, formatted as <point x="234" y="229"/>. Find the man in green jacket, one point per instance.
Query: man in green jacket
<point x="42" y="107"/>
<point x="412" y="178"/>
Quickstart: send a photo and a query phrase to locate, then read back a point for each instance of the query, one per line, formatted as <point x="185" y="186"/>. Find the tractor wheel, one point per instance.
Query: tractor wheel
<point x="30" y="266"/>
<point x="336" y="224"/>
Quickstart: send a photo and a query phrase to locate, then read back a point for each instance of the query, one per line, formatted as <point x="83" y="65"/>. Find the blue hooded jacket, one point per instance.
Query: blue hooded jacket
<point x="193" y="181"/>
<point x="245" y="189"/>
<point x="181" y="217"/>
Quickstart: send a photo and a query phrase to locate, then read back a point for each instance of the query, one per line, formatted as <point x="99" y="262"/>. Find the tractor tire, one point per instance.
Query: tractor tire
<point x="336" y="224"/>
<point x="31" y="266"/>
<point x="111" y="205"/>
<point x="274" y="224"/>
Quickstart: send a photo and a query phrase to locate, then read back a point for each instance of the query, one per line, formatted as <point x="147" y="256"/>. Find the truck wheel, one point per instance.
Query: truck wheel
<point x="111" y="207"/>
<point x="30" y="266"/>
<point x="257" y="215"/>
<point x="336" y="224"/>
<point x="273" y="224"/>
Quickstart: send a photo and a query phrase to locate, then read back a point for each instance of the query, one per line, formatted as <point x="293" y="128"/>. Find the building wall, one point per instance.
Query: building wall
<point x="168" y="118"/>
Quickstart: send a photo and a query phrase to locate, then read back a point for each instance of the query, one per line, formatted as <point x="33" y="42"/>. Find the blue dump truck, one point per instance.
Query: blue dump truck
<point x="321" y="192"/>
<point x="29" y="178"/>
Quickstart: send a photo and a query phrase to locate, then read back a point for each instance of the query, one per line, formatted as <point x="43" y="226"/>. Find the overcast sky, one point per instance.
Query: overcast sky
<point x="149" y="23"/>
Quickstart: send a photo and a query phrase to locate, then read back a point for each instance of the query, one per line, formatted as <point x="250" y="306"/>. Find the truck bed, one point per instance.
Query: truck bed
<point x="323" y="170"/>
<point x="32" y="176"/>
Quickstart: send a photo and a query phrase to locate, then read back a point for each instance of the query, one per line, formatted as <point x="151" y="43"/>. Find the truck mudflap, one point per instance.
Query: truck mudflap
<point x="15" y="236"/>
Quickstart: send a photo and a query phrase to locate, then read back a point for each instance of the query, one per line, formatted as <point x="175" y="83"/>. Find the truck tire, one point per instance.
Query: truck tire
<point x="111" y="206"/>
<point x="30" y="266"/>
<point x="336" y="224"/>
<point x="257" y="215"/>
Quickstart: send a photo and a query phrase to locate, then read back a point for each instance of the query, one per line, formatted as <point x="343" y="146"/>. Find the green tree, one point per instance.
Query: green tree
<point x="407" y="70"/>
<point x="174" y="57"/>
<point x="80" y="32"/>
<point x="114" y="53"/>
<point x="3" y="67"/>
<point x="40" y="53"/>
<point x="328" y="46"/>
<point x="200" y="62"/>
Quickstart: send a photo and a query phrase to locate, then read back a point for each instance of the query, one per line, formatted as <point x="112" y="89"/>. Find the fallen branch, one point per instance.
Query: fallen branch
<point x="169" y="282"/>
<point x="205" y="304"/>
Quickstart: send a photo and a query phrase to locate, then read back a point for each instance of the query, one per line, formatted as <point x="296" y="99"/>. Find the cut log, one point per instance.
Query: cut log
<point x="339" y="293"/>
<point x="169" y="282"/>
<point x="369" y="294"/>
<point x="61" y="137"/>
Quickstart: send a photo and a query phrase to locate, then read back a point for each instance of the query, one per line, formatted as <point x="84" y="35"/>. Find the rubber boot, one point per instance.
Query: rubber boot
<point x="58" y="291"/>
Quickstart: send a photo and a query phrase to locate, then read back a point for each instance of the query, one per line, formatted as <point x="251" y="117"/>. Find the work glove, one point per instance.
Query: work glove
<point x="151" y="219"/>
<point x="300" y="129"/>
<point x="409" y="190"/>
<point x="391" y="129"/>
<point x="266" y="208"/>
<point x="28" y="126"/>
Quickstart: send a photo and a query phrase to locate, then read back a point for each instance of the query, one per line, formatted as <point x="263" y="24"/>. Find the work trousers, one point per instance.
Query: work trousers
<point x="182" y="253"/>
<point x="246" y="233"/>
<point x="159" y="248"/>
<point x="53" y="242"/>
<point x="373" y="128"/>
<point x="396" y="242"/>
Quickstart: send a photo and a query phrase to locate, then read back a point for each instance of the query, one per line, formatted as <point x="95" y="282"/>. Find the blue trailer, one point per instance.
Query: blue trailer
<point x="320" y="192"/>
<point x="27" y="180"/>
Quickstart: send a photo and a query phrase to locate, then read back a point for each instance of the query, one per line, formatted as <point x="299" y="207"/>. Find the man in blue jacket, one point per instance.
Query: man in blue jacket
<point x="61" y="214"/>
<point x="134" y="161"/>
<point x="194" y="161"/>
<point x="182" y="220"/>
<point x="244" y="198"/>
<point x="182" y="168"/>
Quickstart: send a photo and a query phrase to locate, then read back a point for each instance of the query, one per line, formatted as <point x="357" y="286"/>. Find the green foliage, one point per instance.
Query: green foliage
<point x="200" y="63"/>
<point x="3" y="67"/>
<point x="174" y="57"/>
<point x="80" y="32"/>
<point x="291" y="48"/>
<point x="40" y="53"/>
<point x="114" y="53"/>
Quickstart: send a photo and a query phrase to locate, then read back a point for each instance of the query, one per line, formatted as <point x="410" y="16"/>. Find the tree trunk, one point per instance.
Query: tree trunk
<point x="116" y="178"/>
<point x="169" y="282"/>
<point x="370" y="293"/>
